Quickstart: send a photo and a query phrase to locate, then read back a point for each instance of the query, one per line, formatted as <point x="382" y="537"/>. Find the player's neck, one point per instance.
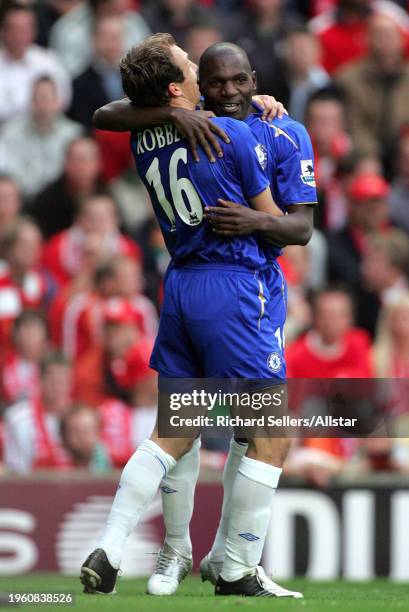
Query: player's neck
<point x="182" y="102"/>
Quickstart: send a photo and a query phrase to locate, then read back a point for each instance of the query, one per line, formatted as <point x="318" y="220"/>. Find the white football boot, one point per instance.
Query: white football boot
<point x="171" y="568"/>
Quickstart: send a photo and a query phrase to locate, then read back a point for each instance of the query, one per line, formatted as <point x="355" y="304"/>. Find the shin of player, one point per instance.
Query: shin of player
<point x="251" y="497"/>
<point x="139" y="482"/>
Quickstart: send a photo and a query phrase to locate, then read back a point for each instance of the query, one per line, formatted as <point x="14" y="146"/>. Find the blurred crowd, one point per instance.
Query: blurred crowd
<point x="82" y="259"/>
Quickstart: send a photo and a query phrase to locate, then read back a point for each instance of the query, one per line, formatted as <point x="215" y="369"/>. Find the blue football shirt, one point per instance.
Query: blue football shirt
<point x="286" y="150"/>
<point x="180" y="188"/>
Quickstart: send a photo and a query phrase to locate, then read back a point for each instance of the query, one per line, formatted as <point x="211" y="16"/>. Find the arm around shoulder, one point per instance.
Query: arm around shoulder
<point x="123" y="116"/>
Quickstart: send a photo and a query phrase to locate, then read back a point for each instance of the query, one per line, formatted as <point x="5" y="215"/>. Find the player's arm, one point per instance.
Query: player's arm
<point x="263" y="203"/>
<point x="195" y="126"/>
<point x="230" y="219"/>
<point x="294" y="228"/>
<point x="123" y="116"/>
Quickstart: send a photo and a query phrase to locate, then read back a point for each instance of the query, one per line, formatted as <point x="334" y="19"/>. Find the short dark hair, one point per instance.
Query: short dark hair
<point x="147" y="70"/>
<point x="30" y="316"/>
<point x="100" y="194"/>
<point x="44" y="78"/>
<point x="7" y="178"/>
<point x="54" y="358"/>
<point x="74" y="410"/>
<point x="331" y="93"/>
<point x="13" y="7"/>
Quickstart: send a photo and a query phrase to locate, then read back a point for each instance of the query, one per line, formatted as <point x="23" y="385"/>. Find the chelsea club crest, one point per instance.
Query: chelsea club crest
<point x="274" y="362"/>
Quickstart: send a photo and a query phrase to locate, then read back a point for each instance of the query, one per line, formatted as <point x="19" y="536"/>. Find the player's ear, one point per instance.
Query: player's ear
<point x="174" y="90"/>
<point x="254" y="78"/>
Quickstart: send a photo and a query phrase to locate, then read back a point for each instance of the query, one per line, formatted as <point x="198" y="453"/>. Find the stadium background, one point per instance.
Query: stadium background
<point x="82" y="263"/>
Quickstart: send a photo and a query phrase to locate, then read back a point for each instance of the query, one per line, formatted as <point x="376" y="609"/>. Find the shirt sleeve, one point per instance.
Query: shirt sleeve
<point x="294" y="176"/>
<point x="249" y="158"/>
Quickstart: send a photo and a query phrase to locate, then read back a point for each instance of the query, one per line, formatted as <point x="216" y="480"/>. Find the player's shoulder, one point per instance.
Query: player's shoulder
<point x="295" y="131"/>
<point x="232" y="126"/>
<point x="285" y="134"/>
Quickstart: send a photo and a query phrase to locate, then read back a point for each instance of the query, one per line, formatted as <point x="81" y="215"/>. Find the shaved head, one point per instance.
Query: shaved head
<point x="223" y="49"/>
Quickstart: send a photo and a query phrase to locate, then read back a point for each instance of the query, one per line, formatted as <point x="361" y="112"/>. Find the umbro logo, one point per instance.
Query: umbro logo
<point x="166" y="489"/>
<point x="250" y="537"/>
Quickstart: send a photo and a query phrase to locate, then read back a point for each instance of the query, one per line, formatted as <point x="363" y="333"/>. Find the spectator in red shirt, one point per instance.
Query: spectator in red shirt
<point x="22" y="285"/>
<point x="120" y="367"/>
<point x="93" y="237"/>
<point x="32" y="427"/>
<point x="21" y="365"/>
<point x="333" y="348"/>
<point x="82" y="319"/>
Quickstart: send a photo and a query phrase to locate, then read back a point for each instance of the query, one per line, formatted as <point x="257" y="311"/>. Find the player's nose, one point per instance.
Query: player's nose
<point x="229" y="89"/>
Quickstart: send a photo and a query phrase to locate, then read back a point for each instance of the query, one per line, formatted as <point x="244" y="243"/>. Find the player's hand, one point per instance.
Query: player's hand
<point x="197" y="128"/>
<point x="270" y="106"/>
<point x="231" y="219"/>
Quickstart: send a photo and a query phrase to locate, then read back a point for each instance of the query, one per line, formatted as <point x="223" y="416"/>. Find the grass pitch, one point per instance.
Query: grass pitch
<point x="195" y="596"/>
